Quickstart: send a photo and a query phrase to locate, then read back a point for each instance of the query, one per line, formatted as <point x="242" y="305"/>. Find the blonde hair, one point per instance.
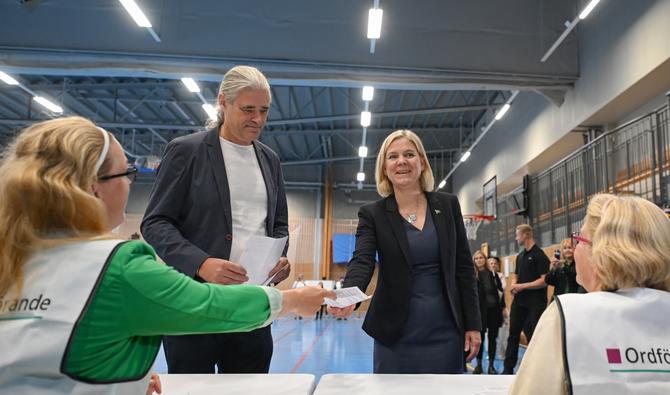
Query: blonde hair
<point x="479" y="252"/>
<point x="525" y="229"/>
<point x="384" y="187"/>
<point x="566" y="243"/>
<point x="630" y="242"/>
<point x="486" y="267"/>
<point x="45" y="178"/>
<point x="235" y="80"/>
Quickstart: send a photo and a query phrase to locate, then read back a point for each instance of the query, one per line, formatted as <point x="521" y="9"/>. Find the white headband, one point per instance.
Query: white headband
<point x="105" y="150"/>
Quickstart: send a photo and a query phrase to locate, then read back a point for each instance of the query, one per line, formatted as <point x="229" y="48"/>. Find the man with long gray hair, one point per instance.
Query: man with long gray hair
<point x="213" y="191"/>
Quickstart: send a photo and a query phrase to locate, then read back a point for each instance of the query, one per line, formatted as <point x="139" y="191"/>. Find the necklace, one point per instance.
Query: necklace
<point x="411" y="217"/>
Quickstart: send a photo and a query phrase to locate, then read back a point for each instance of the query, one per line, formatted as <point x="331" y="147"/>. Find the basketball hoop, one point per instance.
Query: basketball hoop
<point x="472" y="223"/>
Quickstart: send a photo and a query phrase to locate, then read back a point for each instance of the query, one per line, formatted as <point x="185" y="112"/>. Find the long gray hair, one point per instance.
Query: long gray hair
<point x="235" y="80"/>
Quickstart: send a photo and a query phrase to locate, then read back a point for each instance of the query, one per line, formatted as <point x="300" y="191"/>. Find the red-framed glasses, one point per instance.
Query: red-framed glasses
<point x="577" y="238"/>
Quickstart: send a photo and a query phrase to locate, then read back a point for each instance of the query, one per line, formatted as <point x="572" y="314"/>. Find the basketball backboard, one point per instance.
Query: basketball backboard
<point x="490" y="197"/>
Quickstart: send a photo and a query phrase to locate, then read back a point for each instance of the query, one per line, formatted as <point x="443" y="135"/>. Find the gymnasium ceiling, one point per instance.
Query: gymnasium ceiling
<point x="441" y="68"/>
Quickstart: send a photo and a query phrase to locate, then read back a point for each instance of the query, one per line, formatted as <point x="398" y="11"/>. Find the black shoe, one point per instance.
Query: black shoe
<point x="507" y="371"/>
<point x="478" y="370"/>
<point x="492" y="370"/>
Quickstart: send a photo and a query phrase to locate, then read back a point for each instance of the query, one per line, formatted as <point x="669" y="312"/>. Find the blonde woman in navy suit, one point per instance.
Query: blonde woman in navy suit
<point x="425" y="312"/>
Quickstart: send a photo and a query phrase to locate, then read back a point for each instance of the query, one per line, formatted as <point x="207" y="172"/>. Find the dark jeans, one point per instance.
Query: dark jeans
<point x="248" y="352"/>
<point x="319" y="314"/>
<point x="492" y="327"/>
<point x="521" y="312"/>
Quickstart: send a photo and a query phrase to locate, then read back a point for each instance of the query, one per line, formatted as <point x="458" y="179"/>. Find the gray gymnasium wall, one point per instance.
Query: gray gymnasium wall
<point x="619" y="45"/>
<point x="302" y="203"/>
<point x="138" y="198"/>
<point x="346" y="205"/>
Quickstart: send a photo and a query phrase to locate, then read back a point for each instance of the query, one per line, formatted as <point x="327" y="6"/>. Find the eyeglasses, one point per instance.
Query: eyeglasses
<point x="576" y="239"/>
<point x="130" y="173"/>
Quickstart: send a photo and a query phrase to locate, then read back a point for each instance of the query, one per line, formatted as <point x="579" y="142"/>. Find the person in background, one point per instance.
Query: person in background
<point x="491" y="306"/>
<point x="424" y="312"/>
<point x="96" y="307"/>
<point x="213" y="191"/>
<point x="319" y="313"/>
<point x="501" y="344"/>
<point x="496" y="266"/>
<point x="612" y="340"/>
<point x="563" y="274"/>
<point x="530" y="293"/>
<point x="339" y="284"/>
<point x="299" y="282"/>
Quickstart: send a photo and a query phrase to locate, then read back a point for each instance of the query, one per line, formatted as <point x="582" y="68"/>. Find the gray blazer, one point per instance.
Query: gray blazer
<point x="189" y="218"/>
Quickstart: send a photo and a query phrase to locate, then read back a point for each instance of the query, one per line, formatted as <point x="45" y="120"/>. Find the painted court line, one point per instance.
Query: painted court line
<point x="284" y="335"/>
<point x="311" y="347"/>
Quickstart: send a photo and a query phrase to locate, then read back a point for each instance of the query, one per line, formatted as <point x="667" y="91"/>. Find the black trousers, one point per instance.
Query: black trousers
<point x="523" y="315"/>
<point x="248" y="352"/>
<point x="492" y="327"/>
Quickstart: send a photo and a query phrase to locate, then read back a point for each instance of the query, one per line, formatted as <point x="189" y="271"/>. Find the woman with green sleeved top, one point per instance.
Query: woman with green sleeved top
<point x="81" y="312"/>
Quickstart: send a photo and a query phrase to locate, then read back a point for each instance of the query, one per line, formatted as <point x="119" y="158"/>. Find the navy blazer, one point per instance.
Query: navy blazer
<point x="380" y="229"/>
<point x="189" y="218"/>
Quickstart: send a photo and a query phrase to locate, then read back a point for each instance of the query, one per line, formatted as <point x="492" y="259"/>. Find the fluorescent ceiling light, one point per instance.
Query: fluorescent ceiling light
<point x="190" y="84"/>
<point x="48" y="105"/>
<point x="502" y="112"/>
<point x="7" y="79"/>
<point x="368" y="93"/>
<point x="465" y="156"/>
<point x="363" y="151"/>
<point x="210" y="110"/>
<point x="360" y="176"/>
<point x="135" y="12"/>
<point x="588" y="9"/>
<point x="366" y="117"/>
<point x="375" y="23"/>
<point x="442" y="184"/>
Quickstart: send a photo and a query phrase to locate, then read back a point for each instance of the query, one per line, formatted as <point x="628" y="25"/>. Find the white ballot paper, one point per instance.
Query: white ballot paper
<point x="347" y="297"/>
<point x="260" y="255"/>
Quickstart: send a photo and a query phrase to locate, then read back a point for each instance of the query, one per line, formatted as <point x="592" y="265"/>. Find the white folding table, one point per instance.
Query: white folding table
<point x="413" y="384"/>
<point x="237" y="384"/>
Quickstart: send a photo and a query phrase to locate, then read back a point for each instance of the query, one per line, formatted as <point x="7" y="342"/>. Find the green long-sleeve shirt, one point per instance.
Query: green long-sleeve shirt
<point x="139" y="299"/>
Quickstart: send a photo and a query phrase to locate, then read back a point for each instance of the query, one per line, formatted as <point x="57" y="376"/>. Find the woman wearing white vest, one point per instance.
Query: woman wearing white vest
<point x="613" y="340"/>
<point x="80" y="312"/>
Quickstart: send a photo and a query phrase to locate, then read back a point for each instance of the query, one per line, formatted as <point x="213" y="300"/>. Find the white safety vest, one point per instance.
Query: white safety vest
<point x="36" y="327"/>
<point x="617" y="342"/>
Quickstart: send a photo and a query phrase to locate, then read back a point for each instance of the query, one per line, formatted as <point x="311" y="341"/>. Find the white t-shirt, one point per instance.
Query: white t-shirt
<point x="248" y="195"/>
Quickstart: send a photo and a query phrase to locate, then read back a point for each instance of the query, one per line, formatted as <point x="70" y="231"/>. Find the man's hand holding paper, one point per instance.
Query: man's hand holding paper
<point x="280" y="272"/>
<point x="261" y="256"/>
<point x="221" y="271"/>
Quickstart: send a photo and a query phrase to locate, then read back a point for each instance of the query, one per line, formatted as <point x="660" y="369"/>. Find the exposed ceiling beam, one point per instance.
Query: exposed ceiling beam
<point x="352" y="158"/>
<point x="43" y="61"/>
<point x="378" y="115"/>
<point x="192" y="128"/>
